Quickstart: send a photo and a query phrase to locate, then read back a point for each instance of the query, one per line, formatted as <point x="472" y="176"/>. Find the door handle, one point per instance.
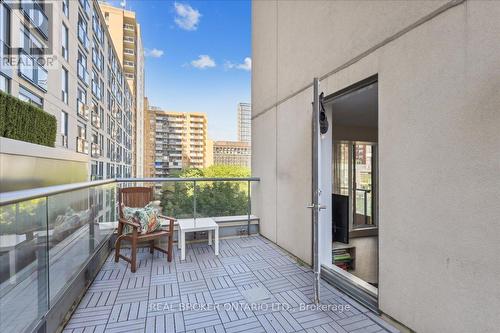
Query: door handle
<point x="320" y="207"/>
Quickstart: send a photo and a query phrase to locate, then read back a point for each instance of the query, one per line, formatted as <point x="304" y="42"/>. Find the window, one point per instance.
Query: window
<point x="82" y="32"/>
<point x="96" y="25"/>
<point x="29" y="67"/>
<point x="35" y="12"/>
<point x="65" y="7"/>
<point x="83" y="74"/>
<point x="64" y="41"/>
<point x="29" y="97"/>
<point x="64" y="123"/>
<point x="4" y="31"/>
<point x="82" y="145"/>
<point x="81" y="103"/>
<point x="82" y="131"/>
<point x="64" y="85"/>
<point x="4" y="84"/>
<point x="64" y="128"/>
<point x="96" y="87"/>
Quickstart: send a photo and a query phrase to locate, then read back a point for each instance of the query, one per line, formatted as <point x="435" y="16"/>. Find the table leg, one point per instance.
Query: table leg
<point x="209" y="237"/>
<point x="183" y="245"/>
<point x="179" y="238"/>
<point x="217" y="241"/>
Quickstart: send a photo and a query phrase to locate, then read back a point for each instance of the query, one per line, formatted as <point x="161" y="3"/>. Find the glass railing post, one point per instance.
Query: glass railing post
<point x="194" y="199"/>
<point x="249" y="207"/>
<point x="42" y="265"/>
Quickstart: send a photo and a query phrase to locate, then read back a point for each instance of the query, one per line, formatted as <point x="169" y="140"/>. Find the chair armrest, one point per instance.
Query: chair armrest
<point x="167" y="217"/>
<point x="130" y="223"/>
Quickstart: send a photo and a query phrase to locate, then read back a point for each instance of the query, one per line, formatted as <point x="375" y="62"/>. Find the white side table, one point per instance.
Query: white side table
<point x="198" y="224"/>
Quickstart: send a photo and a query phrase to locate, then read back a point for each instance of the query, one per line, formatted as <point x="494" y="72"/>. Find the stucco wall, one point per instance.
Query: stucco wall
<point x="438" y="135"/>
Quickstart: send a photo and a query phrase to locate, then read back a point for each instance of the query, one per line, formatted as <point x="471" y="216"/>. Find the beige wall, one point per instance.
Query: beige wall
<point x="438" y="136"/>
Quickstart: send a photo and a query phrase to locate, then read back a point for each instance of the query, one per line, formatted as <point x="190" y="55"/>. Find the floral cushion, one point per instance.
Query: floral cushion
<point x="147" y="217"/>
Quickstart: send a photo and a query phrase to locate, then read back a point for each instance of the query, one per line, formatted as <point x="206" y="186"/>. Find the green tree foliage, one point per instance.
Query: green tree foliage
<point x="218" y="198"/>
<point x="22" y="121"/>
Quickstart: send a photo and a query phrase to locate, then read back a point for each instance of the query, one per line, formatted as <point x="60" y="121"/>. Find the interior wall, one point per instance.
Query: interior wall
<point x="366" y="267"/>
<point x="351" y="133"/>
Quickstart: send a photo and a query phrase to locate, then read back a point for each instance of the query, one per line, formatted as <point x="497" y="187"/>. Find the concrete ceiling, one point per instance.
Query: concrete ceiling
<point x="356" y="109"/>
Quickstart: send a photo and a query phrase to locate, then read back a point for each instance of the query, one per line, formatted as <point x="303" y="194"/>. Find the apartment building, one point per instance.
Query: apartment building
<point x="68" y="66"/>
<point x="244" y="122"/>
<point x="181" y="141"/>
<point x="125" y="33"/>
<point x="149" y="140"/>
<point x="347" y="98"/>
<point x="232" y="153"/>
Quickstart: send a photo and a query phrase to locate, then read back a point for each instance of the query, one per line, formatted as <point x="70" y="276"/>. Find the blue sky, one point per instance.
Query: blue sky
<point x="195" y="57"/>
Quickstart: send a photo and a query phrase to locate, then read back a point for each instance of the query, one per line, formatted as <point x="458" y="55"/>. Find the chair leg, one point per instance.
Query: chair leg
<point x="117" y="249"/>
<point x="134" y="253"/>
<point x="151" y="246"/>
<point x="170" y="241"/>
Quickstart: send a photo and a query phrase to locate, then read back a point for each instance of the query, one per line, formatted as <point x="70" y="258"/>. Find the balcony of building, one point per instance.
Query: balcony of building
<point x="57" y="258"/>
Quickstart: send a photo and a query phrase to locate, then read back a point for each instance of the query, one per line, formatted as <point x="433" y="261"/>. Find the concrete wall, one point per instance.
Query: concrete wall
<point x="26" y="165"/>
<point x="439" y="143"/>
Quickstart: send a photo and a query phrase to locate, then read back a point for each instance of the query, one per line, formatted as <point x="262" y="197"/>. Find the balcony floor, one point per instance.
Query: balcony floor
<point x="252" y="286"/>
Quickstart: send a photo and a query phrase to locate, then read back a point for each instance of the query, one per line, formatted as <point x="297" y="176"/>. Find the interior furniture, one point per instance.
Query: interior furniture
<point x="139" y="197"/>
<point x="194" y="225"/>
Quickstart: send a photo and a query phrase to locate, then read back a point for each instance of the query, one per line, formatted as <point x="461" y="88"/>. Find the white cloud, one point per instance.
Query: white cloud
<point x="187" y="17"/>
<point x="154" y="53"/>
<point x="246" y="65"/>
<point x="203" y="61"/>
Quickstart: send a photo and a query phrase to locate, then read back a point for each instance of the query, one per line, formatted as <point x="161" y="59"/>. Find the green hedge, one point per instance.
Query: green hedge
<point x="22" y="121"/>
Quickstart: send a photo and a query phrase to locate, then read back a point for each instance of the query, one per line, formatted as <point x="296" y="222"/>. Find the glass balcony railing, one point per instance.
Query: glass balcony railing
<point x="96" y="120"/>
<point x="95" y="150"/>
<point x="82" y="146"/>
<point x="82" y="109"/>
<point x="49" y="237"/>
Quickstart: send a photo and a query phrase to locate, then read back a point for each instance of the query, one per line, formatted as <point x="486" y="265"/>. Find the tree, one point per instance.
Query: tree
<point x="213" y="198"/>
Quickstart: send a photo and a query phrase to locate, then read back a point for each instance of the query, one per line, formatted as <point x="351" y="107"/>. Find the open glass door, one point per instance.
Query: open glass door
<point x="315" y="205"/>
<point x="353" y="264"/>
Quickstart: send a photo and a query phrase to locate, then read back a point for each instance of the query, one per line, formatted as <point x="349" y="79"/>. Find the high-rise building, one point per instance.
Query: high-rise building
<point x="125" y="33"/>
<point x="149" y="140"/>
<point x="236" y="153"/>
<point x="180" y="141"/>
<point x="69" y="67"/>
<point x="244" y="122"/>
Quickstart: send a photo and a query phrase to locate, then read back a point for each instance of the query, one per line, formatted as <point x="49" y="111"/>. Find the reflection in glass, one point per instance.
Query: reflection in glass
<point x="23" y="264"/>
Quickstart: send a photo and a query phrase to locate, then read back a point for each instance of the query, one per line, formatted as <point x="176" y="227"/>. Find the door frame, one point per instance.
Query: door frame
<point x="353" y="286"/>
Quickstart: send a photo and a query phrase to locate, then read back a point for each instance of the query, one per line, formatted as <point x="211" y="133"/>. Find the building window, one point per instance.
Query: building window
<point x="35" y="12"/>
<point x="64" y="85"/>
<point x="82" y="32"/>
<point x="64" y="128"/>
<point x="4" y="84"/>
<point x="83" y="74"/>
<point x="29" y="67"/>
<point x="64" y="41"/>
<point x="81" y="103"/>
<point x="65" y="7"/>
<point x="4" y="32"/>
<point x="29" y="97"/>
<point x="82" y="131"/>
